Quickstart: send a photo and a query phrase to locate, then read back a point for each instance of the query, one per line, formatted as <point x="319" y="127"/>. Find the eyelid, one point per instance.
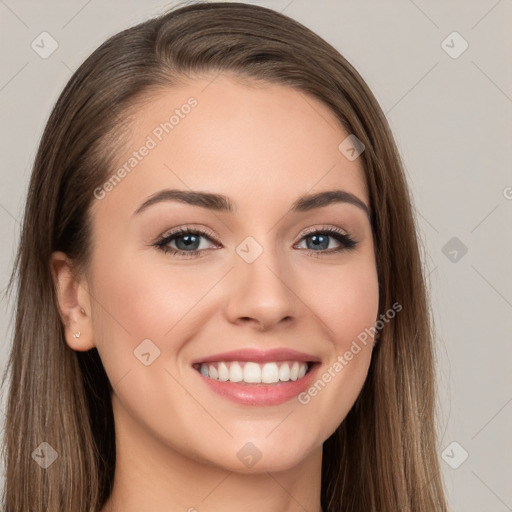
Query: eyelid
<point x="204" y="231"/>
<point x="315" y="229"/>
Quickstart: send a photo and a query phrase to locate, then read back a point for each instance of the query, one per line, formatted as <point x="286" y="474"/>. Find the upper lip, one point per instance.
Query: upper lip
<point x="259" y="356"/>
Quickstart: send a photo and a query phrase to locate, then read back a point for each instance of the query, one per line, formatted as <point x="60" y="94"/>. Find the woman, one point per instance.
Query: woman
<point x="220" y="295"/>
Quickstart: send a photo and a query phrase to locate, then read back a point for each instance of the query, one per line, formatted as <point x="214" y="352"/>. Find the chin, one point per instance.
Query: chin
<point x="261" y="455"/>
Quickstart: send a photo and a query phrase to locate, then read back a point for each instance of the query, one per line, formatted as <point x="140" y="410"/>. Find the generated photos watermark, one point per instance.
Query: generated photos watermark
<point x="344" y="359"/>
<point x="156" y="136"/>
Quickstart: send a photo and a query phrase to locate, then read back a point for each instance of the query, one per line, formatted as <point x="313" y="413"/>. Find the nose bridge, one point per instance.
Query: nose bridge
<point x="261" y="289"/>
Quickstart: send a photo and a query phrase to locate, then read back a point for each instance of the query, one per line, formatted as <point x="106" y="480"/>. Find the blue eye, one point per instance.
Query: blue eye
<point x="185" y="239"/>
<point x="320" y="239"/>
<point x="188" y="242"/>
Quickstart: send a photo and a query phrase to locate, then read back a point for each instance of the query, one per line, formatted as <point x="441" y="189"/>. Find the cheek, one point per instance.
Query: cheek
<point x="131" y="303"/>
<point x="139" y="299"/>
<point x="346" y="300"/>
<point x="146" y="299"/>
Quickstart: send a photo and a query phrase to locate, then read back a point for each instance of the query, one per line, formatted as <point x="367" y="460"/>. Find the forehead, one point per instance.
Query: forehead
<point x="246" y="140"/>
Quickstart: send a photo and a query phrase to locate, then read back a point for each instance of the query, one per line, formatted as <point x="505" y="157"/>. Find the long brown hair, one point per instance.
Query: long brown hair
<point x="383" y="457"/>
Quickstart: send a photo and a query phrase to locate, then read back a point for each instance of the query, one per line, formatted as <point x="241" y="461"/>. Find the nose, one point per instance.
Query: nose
<point x="261" y="293"/>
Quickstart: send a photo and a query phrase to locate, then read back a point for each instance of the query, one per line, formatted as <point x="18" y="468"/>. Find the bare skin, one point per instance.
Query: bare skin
<point x="177" y="440"/>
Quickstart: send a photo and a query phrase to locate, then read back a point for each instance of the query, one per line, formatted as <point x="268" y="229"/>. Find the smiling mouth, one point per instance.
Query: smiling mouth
<point x="249" y="372"/>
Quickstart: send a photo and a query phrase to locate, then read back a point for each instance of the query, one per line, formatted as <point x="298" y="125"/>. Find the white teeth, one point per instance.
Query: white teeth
<point x="223" y="372"/>
<point x="294" y="372"/>
<point x="270" y="373"/>
<point x="236" y="373"/>
<point x="212" y="372"/>
<point x="284" y="373"/>
<point x="254" y="373"/>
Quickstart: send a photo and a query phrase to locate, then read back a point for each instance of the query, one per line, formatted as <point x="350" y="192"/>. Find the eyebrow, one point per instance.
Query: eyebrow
<point x="222" y="203"/>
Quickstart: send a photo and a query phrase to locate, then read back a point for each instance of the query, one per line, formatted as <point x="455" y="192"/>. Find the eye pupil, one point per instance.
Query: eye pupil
<point x="188" y="240"/>
<point x="315" y="239"/>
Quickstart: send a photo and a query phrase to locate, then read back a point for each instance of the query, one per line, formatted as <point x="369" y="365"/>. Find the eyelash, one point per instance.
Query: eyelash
<point x="347" y="243"/>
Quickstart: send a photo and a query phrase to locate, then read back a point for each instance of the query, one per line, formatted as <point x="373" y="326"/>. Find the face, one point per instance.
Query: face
<point x="185" y="292"/>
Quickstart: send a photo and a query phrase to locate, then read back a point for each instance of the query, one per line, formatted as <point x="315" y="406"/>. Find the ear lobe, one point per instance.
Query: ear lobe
<point x="70" y="301"/>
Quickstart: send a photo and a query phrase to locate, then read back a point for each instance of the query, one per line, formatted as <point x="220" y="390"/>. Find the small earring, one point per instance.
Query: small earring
<point x="82" y="310"/>
<point x="76" y="334"/>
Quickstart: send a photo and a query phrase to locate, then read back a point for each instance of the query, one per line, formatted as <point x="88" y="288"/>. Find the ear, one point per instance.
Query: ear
<point x="73" y="302"/>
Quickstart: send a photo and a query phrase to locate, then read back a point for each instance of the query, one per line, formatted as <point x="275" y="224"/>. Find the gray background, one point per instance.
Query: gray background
<point x="452" y="121"/>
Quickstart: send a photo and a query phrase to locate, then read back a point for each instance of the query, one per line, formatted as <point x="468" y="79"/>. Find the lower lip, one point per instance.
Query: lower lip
<point x="261" y="394"/>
